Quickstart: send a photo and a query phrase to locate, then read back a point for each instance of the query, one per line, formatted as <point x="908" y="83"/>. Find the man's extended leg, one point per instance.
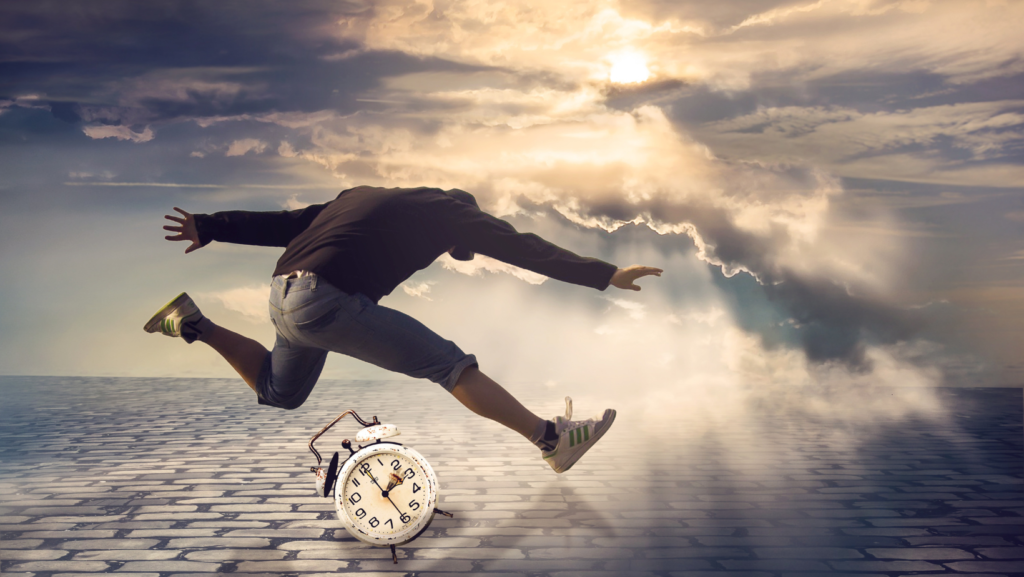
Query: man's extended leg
<point x="488" y="399"/>
<point x="562" y="443"/>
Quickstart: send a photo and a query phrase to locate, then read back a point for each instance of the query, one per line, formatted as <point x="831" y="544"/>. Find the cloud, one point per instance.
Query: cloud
<point x="293" y="203"/>
<point x="245" y="146"/>
<point x="481" y="263"/>
<point x="418" y="290"/>
<point x="723" y="44"/>
<point x="683" y="358"/>
<point x="250" y="301"/>
<point x="637" y="311"/>
<point x="98" y="131"/>
<point x="960" y="142"/>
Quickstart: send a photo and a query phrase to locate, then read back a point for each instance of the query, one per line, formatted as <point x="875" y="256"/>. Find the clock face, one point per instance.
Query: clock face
<point x="386" y="494"/>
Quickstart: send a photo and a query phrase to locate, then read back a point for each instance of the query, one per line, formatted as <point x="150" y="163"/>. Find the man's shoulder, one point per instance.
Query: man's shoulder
<point x="397" y="191"/>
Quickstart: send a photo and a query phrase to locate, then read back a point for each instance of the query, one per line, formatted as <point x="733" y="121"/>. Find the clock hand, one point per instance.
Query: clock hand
<point x="374" y="479"/>
<point x="384" y="492"/>
<point x="393" y="504"/>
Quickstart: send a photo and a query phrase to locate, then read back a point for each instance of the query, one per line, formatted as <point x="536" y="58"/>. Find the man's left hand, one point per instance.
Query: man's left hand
<point x="624" y="277"/>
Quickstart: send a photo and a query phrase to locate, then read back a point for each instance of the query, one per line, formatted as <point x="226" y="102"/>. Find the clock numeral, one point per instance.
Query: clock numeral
<point x="405" y="518"/>
<point x="364" y="468"/>
<point x="360" y="513"/>
<point x="415" y="488"/>
<point x="390" y="522"/>
<point x="355" y="482"/>
<point x="395" y="464"/>
<point x="414" y="505"/>
<point x="409" y="474"/>
<point x="355" y="498"/>
<point x="381" y="464"/>
<point x="373" y="522"/>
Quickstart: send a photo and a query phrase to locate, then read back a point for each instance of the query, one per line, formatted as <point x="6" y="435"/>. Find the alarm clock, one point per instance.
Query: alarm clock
<point x="385" y="493"/>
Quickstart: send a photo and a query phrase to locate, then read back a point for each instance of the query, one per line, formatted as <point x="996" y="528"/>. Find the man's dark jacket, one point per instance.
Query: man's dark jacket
<point x="370" y="240"/>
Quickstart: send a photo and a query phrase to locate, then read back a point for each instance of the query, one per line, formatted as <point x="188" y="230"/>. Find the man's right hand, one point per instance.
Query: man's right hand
<point x="187" y="230"/>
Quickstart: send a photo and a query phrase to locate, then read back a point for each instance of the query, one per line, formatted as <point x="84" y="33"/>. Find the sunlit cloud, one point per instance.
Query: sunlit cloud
<point x="418" y="290"/>
<point x="245" y="146"/>
<point x="250" y="301"/>
<point x="119" y="132"/>
<point x="481" y="264"/>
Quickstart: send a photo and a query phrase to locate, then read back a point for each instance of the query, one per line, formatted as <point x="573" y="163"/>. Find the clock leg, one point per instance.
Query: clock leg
<point x="445" y="513"/>
<point x="394" y="555"/>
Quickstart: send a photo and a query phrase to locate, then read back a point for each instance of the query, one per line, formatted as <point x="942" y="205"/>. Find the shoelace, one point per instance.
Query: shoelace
<point x="573" y="425"/>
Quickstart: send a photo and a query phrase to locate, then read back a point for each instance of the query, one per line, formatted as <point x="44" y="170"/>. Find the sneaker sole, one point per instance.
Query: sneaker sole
<point x="575" y="456"/>
<point x="153" y="325"/>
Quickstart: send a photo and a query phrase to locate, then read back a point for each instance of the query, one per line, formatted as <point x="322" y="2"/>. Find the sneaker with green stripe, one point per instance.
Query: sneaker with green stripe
<point x="178" y="318"/>
<point x="575" y="437"/>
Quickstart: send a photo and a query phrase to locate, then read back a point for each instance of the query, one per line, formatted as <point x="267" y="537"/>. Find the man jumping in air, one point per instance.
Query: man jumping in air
<point x="340" y="259"/>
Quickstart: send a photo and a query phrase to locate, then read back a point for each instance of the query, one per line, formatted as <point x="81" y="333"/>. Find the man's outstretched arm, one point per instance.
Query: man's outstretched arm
<point x="186" y="229"/>
<point x="276" y="228"/>
<point x="480" y="232"/>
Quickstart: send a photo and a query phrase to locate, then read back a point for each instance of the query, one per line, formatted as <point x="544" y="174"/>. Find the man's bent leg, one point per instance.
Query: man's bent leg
<point x="244" y="355"/>
<point x="478" y="393"/>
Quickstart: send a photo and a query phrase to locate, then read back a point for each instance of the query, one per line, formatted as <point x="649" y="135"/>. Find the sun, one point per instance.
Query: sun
<point x="628" y="68"/>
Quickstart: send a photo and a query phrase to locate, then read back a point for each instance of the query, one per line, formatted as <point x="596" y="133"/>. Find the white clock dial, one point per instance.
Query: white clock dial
<point x="386" y="494"/>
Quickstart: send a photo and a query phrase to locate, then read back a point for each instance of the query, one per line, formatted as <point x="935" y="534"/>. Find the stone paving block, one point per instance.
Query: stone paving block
<point x="415" y="565"/>
<point x="109" y="544"/>
<point x="276" y="533"/>
<point x="149" y="533"/>
<point x="168" y="566"/>
<point x="118" y="575"/>
<point x="775" y="565"/>
<point x="467" y="553"/>
<point x="884" y="566"/>
<point x="537" y="565"/>
<point x="1002" y="552"/>
<point x="225" y="555"/>
<point x="986" y="566"/>
<point x="30" y="555"/>
<point x="20" y="543"/>
<point x="697" y="552"/>
<point x="722" y="574"/>
<point x="807" y="553"/>
<point x="293" y="566"/>
<point x="581" y="552"/>
<point x="923" y="553"/>
<point x="126" y="555"/>
<point x="55" y="566"/>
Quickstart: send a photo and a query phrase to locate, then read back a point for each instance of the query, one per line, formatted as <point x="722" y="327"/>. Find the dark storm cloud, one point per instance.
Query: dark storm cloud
<point x="830" y="319"/>
<point x="135" y="63"/>
<point x="865" y="91"/>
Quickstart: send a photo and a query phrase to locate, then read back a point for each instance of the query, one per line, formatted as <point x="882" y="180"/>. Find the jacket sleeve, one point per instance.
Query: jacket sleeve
<point x="255" y="228"/>
<point x="482" y="233"/>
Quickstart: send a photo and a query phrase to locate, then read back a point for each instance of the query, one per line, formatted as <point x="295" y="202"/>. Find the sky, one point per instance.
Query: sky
<point x="833" y="188"/>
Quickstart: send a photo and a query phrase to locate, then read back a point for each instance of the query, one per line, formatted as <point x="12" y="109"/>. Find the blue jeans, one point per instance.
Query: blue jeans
<point x="312" y="317"/>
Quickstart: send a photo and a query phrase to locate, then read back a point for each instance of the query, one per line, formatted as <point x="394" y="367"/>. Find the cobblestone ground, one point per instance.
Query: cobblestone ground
<point x="158" y="477"/>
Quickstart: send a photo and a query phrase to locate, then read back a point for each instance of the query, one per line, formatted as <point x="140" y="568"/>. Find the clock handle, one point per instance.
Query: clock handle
<point x="319" y="459"/>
